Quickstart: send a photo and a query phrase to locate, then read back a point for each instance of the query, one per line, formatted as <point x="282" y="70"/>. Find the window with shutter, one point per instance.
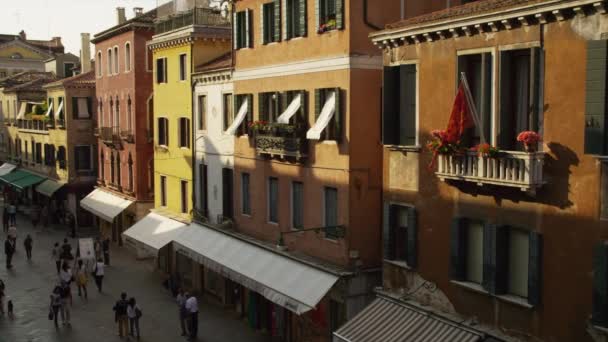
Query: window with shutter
<point x="399" y="103"/>
<point x="163" y="131"/>
<point x="245" y="195"/>
<point x="163" y="191"/>
<point x="228" y="110"/>
<point x="297" y="205"/>
<point x="273" y="200"/>
<point x="202" y="112"/>
<point x="478" y="69"/>
<point x="184" y="132"/>
<point x="161" y="72"/>
<point x="333" y="130"/>
<point x="271" y="22"/>
<point x="596" y="125"/>
<point x="330" y="202"/>
<point x="270" y="106"/>
<point x="330" y="15"/>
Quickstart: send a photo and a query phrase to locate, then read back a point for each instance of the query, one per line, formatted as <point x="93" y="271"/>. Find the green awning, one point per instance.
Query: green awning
<point x="48" y="187"/>
<point x="13" y="176"/>
<point x="27" y="181"/>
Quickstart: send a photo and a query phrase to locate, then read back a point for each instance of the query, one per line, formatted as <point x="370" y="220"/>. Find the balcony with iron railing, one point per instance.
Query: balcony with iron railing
<point x="280" y="140"/>
<point x="523" y="170"/>
<point x="32" y="126"/>
<point x="109" y="135"/>
<point x="197" y="16"/>
<point x="127" y="135"/>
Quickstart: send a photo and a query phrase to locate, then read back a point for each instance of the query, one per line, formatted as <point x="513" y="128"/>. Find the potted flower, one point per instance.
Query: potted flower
<point x="440" y="145"/>
<point x="530" y="140"/>
<point x="486" y="150"/>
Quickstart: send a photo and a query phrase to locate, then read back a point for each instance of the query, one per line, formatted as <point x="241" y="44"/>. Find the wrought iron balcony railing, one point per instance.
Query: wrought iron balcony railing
<point x="282" y="142"/>
<point x="194" y="16"/>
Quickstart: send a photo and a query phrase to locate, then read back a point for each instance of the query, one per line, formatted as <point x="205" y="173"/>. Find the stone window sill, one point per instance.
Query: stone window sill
<point x="412" y="148"/>
<point x="507" y="298"/>
<point x="398" y="263"/>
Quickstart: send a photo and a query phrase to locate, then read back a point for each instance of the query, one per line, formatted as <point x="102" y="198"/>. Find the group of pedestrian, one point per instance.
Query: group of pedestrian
<point x="127" y="315"/>
<point x="188" y="313"/>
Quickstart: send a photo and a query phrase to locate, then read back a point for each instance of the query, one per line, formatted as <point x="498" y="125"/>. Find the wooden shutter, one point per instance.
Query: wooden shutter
<point x="235" y="31"/>
<point x="596" y="139"/>
<point x="302" y="114"/>
<point x="489" y="262"/>
<point x="187" y="132"/>
<point x="277" y="106"/>
<point x="340" y="14"/>
<point x="495" y="258"/>
<point x="505" y="136"/>
<point x="284" y="100"/>
<point x="393" y="223"/>
<point x="277" y="21"/>
<point x="317" y="14"/>
<point x="386" y="232"/>
<point x="458" y="248"/>
<point x="75" y="107"/>
<point x="248" y="29"/>
<point x="90" y="106"/>
<point x="407" y="105"/>
<point x="318" y="104"/>
<point x="287" y="10"/>
<point x="264" y="24"/>
<point x="412" y="237"/>
<point x="249" y="111"/>
<point x="303" y="22"/>
<point x="338" y="117"/>
<point x="390" y="105"/>
<point x="262" y="114"/>
<point x="535" y="82"/>
<point x="535" y="268"/>
<point x="599" y="314"/>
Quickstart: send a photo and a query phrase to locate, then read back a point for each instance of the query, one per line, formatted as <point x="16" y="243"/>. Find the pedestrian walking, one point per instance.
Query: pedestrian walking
<point x="66" y="277"/>
<point x="12" y="234"/>
<point x="55" y="305"/>
<point x="192" y="309"/>
<point x="12" y="213"/>
<point x="66" y="251"/>
<point x="105" y="246"/>
<point x="134" y="314"/>
<point x="120" y="315"/>
<point x="2" y="287"/>
<point x="65" y="303"/>
<point x="28" y="243"/>
<point x="181" y="307"/>
<point x="99" y="273"/>
<point x="97" y="248"/>
<point x="9" y="250"/>
<point x="81" y="279"/>
<point x="5" y="219"/>
<point x="57" y="256"/>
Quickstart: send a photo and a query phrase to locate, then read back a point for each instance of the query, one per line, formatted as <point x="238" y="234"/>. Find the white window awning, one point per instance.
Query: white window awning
<point x="239" y="118"/>
<point x="293" y="285"/>
<point x="49" y="110"/>
<point x="22" y="110"/>
<point x="104" y="204"/>
<point x="83" y="108"/>
<point x="154" y="232"/>
<point x="60" y="109"/>
<point x="329" y="108"/>
<point x="293" y="107"/>
<point x="6" y="168"/>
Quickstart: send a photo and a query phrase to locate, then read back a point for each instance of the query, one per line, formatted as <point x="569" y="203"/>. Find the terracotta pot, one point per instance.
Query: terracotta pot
<point x="530" y="148"/>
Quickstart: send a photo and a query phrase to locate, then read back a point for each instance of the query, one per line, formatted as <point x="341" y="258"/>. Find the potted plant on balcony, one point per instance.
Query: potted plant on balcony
<point x="486" y="150"/>
<point x="440" y="145"/>
<point x="530" y="140"/>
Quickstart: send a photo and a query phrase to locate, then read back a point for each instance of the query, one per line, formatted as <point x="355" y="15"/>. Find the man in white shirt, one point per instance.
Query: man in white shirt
<point x="192" y="310"/>
<point x="99" y="273"/>
<point x="183" y="314"/>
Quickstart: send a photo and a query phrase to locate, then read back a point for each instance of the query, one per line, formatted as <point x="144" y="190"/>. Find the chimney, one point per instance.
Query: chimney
<point x="137" y="11"/>
<point x="120" y="15"/>
<point x="22" y="35"/>
<point x="85" y="53"/>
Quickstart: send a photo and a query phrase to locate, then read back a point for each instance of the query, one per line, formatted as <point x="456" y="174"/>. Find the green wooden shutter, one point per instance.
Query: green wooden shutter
<point x="277" y="106"/>
<point x="302" y="114"/>
<point x="262" y="115"/>
<point x="393" y="223"/>
<point x="286" y="10"/>
<point x="248" y="29"/>
<point x="596" y="140"/>
<point x="501" y="259"/>
<point x="264" y="24"/>
<point x="249" y="111"/>
<point x="277" y="21"/>
<point x="338" y="117"/>
<point x="535" y="268"/>
<point x="235" y="31"/>
<point x="318" y="99"/>
<point x="340" y="14"/>
<point x="535" y="83"/>
<point x="489" y="261"/>
<point x="303" y="22"/>
<point x="412" y="237"/>
<point x="458" y="249"/>
<point x="390" y="105"/>
<point x="74" y="107"/>
<point x="317" y="14"/>
<point x="407" y="105"/>
<point x="599" y="314"/>
<point x="386" y="248"/>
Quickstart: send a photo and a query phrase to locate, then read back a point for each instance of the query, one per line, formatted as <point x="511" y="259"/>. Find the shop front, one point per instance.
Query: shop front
<point x="108" y="208"/>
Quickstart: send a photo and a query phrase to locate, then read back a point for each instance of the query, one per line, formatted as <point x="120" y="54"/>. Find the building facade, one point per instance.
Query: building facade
<point x="496" y="241"/>
<point x="125" y="106"/>
<point x="19" y="54"/>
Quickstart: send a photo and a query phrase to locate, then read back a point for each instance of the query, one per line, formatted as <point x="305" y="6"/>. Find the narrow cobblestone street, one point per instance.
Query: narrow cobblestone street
<point x="29" y="284"/>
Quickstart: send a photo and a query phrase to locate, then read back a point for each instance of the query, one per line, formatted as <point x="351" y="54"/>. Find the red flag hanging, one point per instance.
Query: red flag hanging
<point x="460" y="119"/>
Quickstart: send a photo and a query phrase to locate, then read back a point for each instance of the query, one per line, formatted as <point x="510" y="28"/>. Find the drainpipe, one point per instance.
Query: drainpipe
<point x="365" y="19"/>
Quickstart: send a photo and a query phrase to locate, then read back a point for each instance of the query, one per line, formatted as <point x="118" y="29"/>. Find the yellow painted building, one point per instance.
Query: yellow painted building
<point x="175" y="50"/>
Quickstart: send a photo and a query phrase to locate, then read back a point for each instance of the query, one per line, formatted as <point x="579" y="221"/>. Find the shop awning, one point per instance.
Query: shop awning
<point x="48" y="187"/>
<point x="13" y="176"/>
<point x="27" y="181"/>
<point x="329" y="108"/>
<point x="6" y="168"/>
<point x="293" y="285"/>
<point x="388" y="320"/>
<point x="154" y="232"/>
<point x="104" y="204"/>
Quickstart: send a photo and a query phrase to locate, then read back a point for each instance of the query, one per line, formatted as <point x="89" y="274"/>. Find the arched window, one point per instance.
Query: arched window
<point x="118" y="173"/>
<point x="131" y="185"/>
<point x="100" y="114"/>
<point x="112" y="173"/>
<point x="117" y="115"/>
<point x="129" y="116"/>
<point x="116" y="60"/>
<point x="109" y="62"/>
<point x="99" y="65"/>
<point x="128" y="57"/>
<point x="102" y="166"/>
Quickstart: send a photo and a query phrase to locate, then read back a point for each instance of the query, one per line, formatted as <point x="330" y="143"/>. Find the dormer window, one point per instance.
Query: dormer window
<point x="16" y="55"/>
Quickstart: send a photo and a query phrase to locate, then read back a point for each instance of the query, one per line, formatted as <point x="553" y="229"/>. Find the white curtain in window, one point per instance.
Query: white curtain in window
<point x="291" y="110"/>
<point x="83" y="108"/>
<point x="60" y="109"/>
<point x="329" y="108"/>
<point x="239" y="118"/>
<point x="48" y="112"/>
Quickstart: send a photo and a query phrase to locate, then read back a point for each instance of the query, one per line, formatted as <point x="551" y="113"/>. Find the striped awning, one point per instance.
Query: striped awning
<point x="386" y="320"/>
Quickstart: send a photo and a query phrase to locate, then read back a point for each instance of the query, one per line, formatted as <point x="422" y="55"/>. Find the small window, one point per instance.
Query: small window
<point x="182" y="67"/>
<point x="128" y="57"/>
<point x="297" y="205"/>
<point x="273" y="200"/>
<point x="163" y="191"/>
<point x="68" y="69"/>
<point x="270" y="106"/>
<point x="99" y="65"/>
<point x="38" y="153"/>
<point x="184" y="196"/>
<point x="399" y="105"/>
<point x="398" y="225"/>
<point x="242" y="29"/>
<point x="202" y="174"/>
<point x="478" y="69"/>
<point x="163" y="131"/>
<point x="330" y="210"/>
<point x="161" y="70"/>
<point x="519" y="246"/>
<point x="330" y="15"/>
<point x="474" y="252"/>
<point x="116" y="60"/>
<point x="271" y="24"/>
<point x="184" y="132"/>
<point x="81" y="107"/>
<point x="245" y="202"/>
<point x="110" y="62"/>
<point x="228" y="111"/>
<point x="202" y="112"/>
<point x="296" y="19"/>
<point x="82" y="158"/>
<point x="61" y="157"/>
